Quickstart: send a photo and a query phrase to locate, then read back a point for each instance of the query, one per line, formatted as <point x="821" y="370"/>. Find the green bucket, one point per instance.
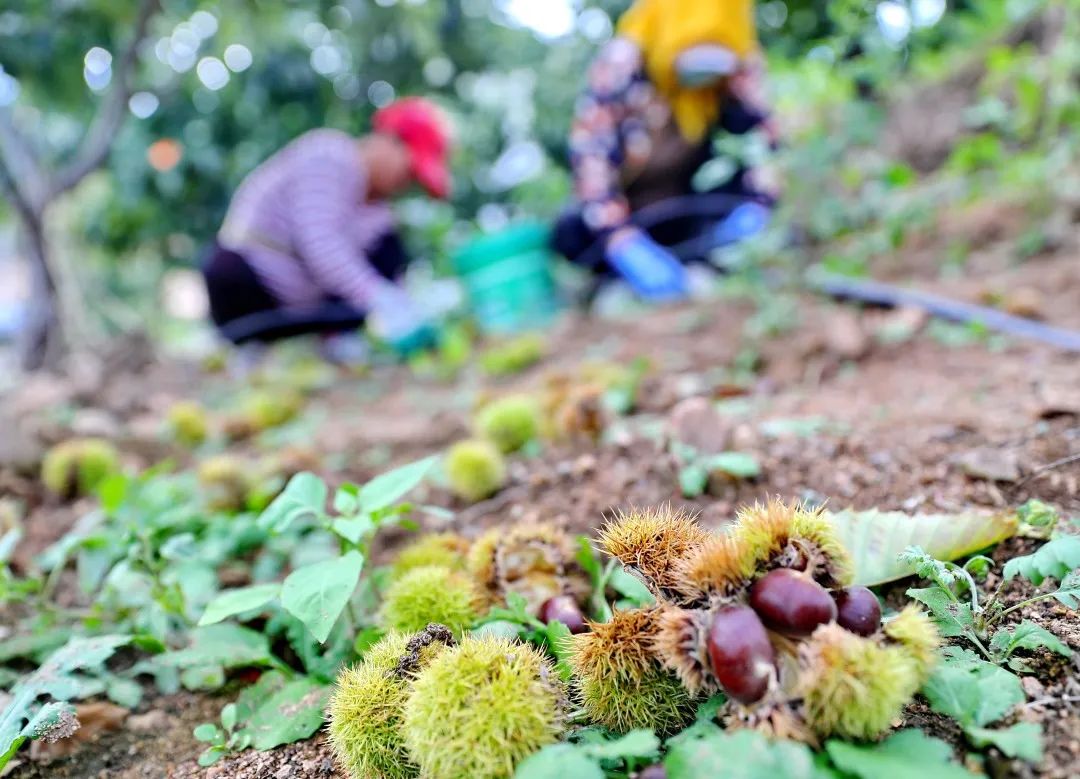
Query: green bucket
<point x="508" y="279"/>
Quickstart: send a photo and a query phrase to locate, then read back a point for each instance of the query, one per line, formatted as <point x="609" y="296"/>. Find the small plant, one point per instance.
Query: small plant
<point x="366" y="711"/>
<point x="482" y="707"/>
<point x="476" y="470"/>
<point x="430" y="593"/>
<point x="510" y="423"/>
<point x="959" y="610"/>
<point x="77" y="466"/>
<point x="188" y="423"/>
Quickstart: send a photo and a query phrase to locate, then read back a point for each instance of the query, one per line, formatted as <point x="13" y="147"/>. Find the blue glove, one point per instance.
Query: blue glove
<point x="395" y="318"/>
<point x="654" y="273"/>
<point x="744" y="221"/>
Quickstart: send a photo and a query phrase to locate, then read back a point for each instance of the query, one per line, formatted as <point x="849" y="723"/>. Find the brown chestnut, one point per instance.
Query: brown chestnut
<point x="564" y="609"/>
<point x="742" y="658"/>
<point x="858" y="610"/>
<point x="791" y="603"/>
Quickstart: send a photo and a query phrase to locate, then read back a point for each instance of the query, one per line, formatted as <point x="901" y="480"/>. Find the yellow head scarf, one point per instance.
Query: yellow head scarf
<point x="666" y="28"/>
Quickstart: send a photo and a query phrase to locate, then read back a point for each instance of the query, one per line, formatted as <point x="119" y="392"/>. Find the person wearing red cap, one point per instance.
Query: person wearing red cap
<point x="309" y="243"/>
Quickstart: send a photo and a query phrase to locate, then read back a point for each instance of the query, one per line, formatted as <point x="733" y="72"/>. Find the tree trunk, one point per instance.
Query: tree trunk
<point x="40" y="337"/>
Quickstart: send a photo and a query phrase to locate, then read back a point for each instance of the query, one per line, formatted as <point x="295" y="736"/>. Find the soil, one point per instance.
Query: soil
<point x="840" y="409"/>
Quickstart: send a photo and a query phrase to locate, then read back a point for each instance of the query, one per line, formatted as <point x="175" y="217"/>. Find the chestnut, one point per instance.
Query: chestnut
<point x="791" y="603"/>
<point x="858" y="610"/>
<point x="564" y="609"/>
<point x="742" y="658"/>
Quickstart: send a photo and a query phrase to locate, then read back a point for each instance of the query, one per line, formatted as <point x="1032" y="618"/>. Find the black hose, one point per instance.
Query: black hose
<point x="880" y="294"/>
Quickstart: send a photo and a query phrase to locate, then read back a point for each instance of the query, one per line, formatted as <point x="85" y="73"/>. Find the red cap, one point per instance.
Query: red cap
<point x="422" y="127"/>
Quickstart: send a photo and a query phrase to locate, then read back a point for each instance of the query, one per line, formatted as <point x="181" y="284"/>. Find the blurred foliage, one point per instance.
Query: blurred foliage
<point x="511" y="93"/>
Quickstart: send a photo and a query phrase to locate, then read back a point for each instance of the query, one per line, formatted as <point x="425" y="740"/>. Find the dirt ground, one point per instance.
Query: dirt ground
<point x="841" y="409"/>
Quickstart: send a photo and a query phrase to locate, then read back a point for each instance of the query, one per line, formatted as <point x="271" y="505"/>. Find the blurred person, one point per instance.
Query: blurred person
<point x="677" y="72"/>
<point x="309" y="243"/>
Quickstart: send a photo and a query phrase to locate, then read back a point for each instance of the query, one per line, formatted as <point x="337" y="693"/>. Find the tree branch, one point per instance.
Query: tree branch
<point x="20" y="172"/>
<point x="97" y="142"/>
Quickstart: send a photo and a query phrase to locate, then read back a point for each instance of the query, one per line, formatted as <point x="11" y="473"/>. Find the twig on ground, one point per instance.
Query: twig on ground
<point x="1042" y="469"/>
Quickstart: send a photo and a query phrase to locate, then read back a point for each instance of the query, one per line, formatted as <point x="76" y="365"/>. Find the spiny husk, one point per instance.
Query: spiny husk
<point x="431" y="593"/>
<point x="366" y="711"/>
<point x="77" y="466"/>
<point x="480" y="563"/>
<point x="620" y="683"/>
<point x="777" y="719"/>
<point x="715" y="571"/>
<point x="679" y="645"/>
<point x="480" y="708"/>
<point x="475" y="469"/>
<point x="654" y="542"/>
<point x="533" y="560"/>
<point x="781" y="535"/>
<point x="913" y="630"/>
<point x="446" y="549"/>
<point x="851" y="686"/>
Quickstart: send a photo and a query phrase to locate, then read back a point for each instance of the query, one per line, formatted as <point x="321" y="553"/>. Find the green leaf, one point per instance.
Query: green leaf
<point x="1053" y="560"/>
<point x="346" y="500"/>
<point x="559" y="761"/>
<point x="291" y="714"/>
<point x="908" y="754"/>
<point x="352" y="529"/>
<point x="877" y="538"/>
<point x="202" y="678"/>
<point x="1068" y="594"/>
<point x="974" y="693"/>
<point x="693" y="480"/>
<point x="558" y="640"/>
<point x="737" y="464"/>
<point x="228" y="716"/>
<point x="630" y="587"/>
<point x="304" y="496"/>
<point x="636" y="743"/>
<point x="743" y="754"/>
<point x="388" y="488"/>
<point x="226" y="645"/>
<point x="211" y="756"/>
<point x="952" y="618"/>
<point x="207" y="733"/>
<point x="317" y="594"/>
<point x="232" y="602"/>
<point x="1022" y="740"/>
<point x="1026" y="635"/>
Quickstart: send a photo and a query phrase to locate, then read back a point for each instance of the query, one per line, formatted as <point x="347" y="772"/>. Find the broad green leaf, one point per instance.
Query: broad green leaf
<point x="1053" y="560"/>
<point x="1026" y="635"/>
<point x="877" y="538"/>
<point x="317" y="594"/>
<point x="226" y="645"/>
<point x="1068" y="594"/>
<point x="291" y="714"/>
<point x="211" y="756"/>
<point x="232" y="602"/>
<point x="33" y="645"/>
<point x="352" y="529"/>
<point x="388" y="488"/>
<point x="973" y="693"/>
<point x="1022" y="740"/>
<point x="743" y="754"/>
<point x="124" y="692"/>
<point x="366" y="638"/>
<point x="558" y="640"/>
<point x="559" y="761"/>
<point x="630" y="587"/>
<point x="202" y="678"/>
<point x="953" y="618"/>
<point x="346" y="500"/>
<point x="251" y="698"/>
<point x="228" y="716"/>
<point x="304" y="496"/>
<point x="908" y="754"/>
<point x="636" y="743"/>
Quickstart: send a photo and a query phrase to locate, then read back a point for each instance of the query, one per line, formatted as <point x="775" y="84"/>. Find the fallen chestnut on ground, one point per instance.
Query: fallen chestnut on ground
<point x="742" y="658"/>
<point x="858" y="610"/>
<point x="791" y="603"/>
<point x="564" y="609"/>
